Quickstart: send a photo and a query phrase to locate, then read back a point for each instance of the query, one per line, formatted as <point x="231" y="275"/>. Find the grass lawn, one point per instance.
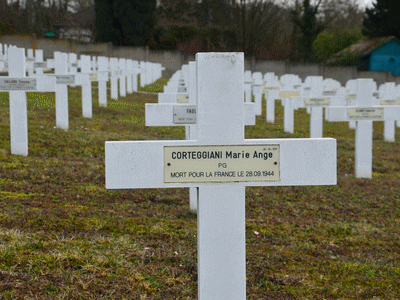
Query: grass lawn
<point x="64" y="236"/>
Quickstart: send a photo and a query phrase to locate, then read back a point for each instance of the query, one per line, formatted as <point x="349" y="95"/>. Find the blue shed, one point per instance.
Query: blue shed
<point x="380" y="54"/>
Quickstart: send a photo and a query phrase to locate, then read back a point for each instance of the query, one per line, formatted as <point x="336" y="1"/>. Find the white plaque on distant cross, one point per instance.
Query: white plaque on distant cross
<point x="184" y="114"/>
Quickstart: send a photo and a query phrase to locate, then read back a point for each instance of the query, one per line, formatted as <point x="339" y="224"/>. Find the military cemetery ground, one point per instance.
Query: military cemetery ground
<point x="64" y="236"/>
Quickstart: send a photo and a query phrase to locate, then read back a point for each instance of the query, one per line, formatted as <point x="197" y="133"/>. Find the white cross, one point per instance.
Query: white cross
<point x="129" y="74"/>
<point x="271" y="92"/>
<point x="82" y="79"/>
<point x="221" y="203"/>
<point x="315" y="101"/>
<point x="62" y="80"/>
<point x="257" y="86"/>
<point x="87" y="75"/>
<point x="248" y="80"/>
<point x="135" y="68"/>
<point x="289" y="93"/>
<point x="73" y="64"/>
<point x="364" y="113"/>
<point x="114" y="77"/>
<point x="39" y="64"/>
<point x="143" y="73"/>
<point x="122" y="76"/>
<point x="388" y="96"/>
<point x="103" y="63"/>
<point x="17" y="85"/>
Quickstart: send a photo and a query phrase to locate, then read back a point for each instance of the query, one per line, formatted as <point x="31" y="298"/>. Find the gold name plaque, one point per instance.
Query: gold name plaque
<point x="244" y="163"/>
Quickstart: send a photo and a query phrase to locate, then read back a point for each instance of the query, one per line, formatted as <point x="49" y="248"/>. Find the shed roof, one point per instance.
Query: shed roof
<point x="362" y="48"/>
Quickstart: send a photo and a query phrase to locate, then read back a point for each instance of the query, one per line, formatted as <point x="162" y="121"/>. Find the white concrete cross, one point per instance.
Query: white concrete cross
<point x="271" y="92"/>
<point x="39" y="64"/>
<point x="143" y="73"/>
<point x="29" y="59"/>
<point x="248" y="81"/>
<point x="314" y="99"/>
<point x="83" y="79"/>
<point x="103" y="63"/>
<point x="257" y="86"/>
<point x="388" y="95"/>
<point x="220" y="163"/>
<point x="135" y="73"/>
<point x="334" y="90"/>
<point x="17" y="84"/>
<point x="289" y="93"/>
<point x="351" y="90"/>
<point x="63" y="79"/>
<point x="122" y="76"/>
<point x="114" y="77"/>
<point x="73" y="64"/>
<point x="364" y="113"/>
<point x="129" y="74"/>
<point x="88" y="75"/>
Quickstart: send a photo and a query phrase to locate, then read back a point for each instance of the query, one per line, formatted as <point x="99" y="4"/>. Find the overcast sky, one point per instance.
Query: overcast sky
<point x="367" y="2"/>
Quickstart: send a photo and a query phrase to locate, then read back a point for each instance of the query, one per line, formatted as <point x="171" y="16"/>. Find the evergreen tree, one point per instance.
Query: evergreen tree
<point x="136" y="19"/>
<point x="125" y="22"/>
<point x="105" y="29"/>
<point x="309" y="27"/>
<point x="382" y="19"/>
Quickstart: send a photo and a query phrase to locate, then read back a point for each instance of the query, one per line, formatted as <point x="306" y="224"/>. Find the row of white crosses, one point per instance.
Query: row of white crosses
<point x="177" y="107"/>
<point x="364" y="112"/>
<point x="219" y="162"/>
<point x="65" y="73"/>
<point x="124" y="70"/>
<point x="3" y="56"/>
<point x="316" y="93"/>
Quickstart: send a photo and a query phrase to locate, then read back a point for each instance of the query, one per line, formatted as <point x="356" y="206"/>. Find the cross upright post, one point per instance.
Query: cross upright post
<point x="61" y="70"/>
<point x="387" y="96"/>
<point x="85" y="64"/>
<point x="72" y="64"/>
<point x="103" y="63"/>
<point x="114" y="77"/>
<point x="364" y="128"/>
<point x="271" y="92"/>
<point x="122" y="76"/>
<point x="18" y="105"/>
<point x="220" y="163"/>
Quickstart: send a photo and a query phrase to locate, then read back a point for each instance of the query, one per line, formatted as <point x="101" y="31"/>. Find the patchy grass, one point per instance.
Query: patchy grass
<point x="64" y="236"/>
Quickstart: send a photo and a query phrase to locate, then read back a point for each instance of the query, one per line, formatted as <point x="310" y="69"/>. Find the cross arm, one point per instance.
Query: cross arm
<point x="162" y="114"/>
<point x="140" y="164"/>
<point x="46" y="84"/>
<point x="340" y="113"/>
<point x="28" y="84"/>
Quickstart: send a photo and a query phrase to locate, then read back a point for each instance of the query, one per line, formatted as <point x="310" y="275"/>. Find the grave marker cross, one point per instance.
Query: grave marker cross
<point x="61" y="70"/>
<point x="364" y="113"/>
<point x="17" y="85"/>
<point x="221" y="181"/>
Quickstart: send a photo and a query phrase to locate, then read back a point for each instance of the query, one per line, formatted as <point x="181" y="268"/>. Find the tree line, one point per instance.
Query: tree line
<point x="302" y="30"/>
<point x="264" y="29"/>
